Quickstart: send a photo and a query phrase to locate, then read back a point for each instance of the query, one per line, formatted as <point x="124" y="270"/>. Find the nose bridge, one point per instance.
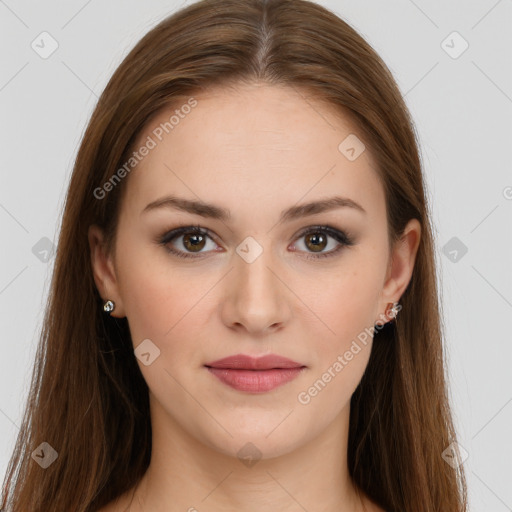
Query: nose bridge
<point x="256" y="298"/>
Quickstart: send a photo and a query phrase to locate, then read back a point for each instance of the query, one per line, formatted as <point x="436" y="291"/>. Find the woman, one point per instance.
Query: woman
<point x="243" y="313"/>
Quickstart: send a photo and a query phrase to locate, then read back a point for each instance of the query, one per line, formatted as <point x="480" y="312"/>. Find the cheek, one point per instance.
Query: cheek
<point x="345" y="305"/>
<point x="329" y="390"/>
<point x="159" y="297"/>
<point x="342" y="343"/>
<point x="168" y="308"/>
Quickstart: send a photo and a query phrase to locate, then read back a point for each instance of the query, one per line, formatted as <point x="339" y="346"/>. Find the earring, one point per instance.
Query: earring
<point x="109" y="306"/>
<point x="392" y="310"/>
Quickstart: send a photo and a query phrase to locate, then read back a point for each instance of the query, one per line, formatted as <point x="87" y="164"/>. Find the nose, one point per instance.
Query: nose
<point x="256" y="298"/>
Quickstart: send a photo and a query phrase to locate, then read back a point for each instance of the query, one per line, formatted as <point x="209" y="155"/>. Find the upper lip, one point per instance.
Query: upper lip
<point x="246" y="362"/>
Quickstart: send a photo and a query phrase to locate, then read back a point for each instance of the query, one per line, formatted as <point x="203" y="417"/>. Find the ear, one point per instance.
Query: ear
<point x="401" y="266"/>
<point x="104" y="271"/>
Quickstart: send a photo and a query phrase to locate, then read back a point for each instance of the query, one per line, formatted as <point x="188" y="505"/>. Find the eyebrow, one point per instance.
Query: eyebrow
<point x="216" y="212"/>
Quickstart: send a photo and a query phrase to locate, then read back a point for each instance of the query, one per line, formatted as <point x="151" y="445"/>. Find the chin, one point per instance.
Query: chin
<point x="256" y="443"/>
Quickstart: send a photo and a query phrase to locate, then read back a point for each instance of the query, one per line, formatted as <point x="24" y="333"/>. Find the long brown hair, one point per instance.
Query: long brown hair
<point x="88" y="398"/>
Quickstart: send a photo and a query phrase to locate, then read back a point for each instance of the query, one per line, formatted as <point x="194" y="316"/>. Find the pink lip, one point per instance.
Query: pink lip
<point x="244" y="362"/>
<point x="246" y="373"/>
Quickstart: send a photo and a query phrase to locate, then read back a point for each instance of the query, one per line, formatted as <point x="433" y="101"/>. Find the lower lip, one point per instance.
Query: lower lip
<point x="256" y="381"/>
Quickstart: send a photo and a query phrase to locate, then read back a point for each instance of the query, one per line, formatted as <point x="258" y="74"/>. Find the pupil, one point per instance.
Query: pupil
<point x="194" y="240"/>
<point x="317" y="239"/>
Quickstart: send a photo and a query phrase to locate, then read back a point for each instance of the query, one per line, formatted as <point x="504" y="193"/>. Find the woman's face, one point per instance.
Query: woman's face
<point x="258" y="281"/>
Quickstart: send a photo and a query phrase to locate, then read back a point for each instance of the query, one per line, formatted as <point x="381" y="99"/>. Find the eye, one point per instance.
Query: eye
<point x="193" y="240"/>
<point x="316" y="239"/>
<point x="187" y="241"/>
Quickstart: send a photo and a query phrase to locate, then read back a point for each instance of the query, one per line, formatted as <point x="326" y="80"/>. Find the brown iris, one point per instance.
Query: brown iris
<point x="318" y="240"/>
<point x="195" y="240"/>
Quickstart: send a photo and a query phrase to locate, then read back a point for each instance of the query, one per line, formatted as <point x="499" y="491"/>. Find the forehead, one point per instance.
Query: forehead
<point x="254" y="145"/>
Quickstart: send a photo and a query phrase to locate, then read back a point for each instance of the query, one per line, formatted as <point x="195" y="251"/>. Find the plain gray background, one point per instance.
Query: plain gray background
<point x="461" y="103"/>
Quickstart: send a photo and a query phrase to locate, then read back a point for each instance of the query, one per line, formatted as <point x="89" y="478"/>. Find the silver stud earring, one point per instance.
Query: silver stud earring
<point x="109" y="306"/>
<point x="393" y="310"/>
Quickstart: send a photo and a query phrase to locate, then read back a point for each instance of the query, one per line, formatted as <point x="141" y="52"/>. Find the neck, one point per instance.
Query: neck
<point x="186" y="475"/>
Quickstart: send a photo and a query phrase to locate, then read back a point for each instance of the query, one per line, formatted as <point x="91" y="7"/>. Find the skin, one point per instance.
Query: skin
<point x="256" y="151"/>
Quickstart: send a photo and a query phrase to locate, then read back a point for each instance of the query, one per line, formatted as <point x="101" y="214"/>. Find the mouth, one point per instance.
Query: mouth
<point x="255" y="374"/>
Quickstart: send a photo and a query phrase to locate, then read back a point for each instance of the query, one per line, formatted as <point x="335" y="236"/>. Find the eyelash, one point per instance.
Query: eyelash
<point x="342" y="238"/>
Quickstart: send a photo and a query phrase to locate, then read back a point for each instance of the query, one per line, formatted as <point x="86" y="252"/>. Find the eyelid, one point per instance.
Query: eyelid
<point x="185" y="228"/>
<point x="325" y="228"/>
